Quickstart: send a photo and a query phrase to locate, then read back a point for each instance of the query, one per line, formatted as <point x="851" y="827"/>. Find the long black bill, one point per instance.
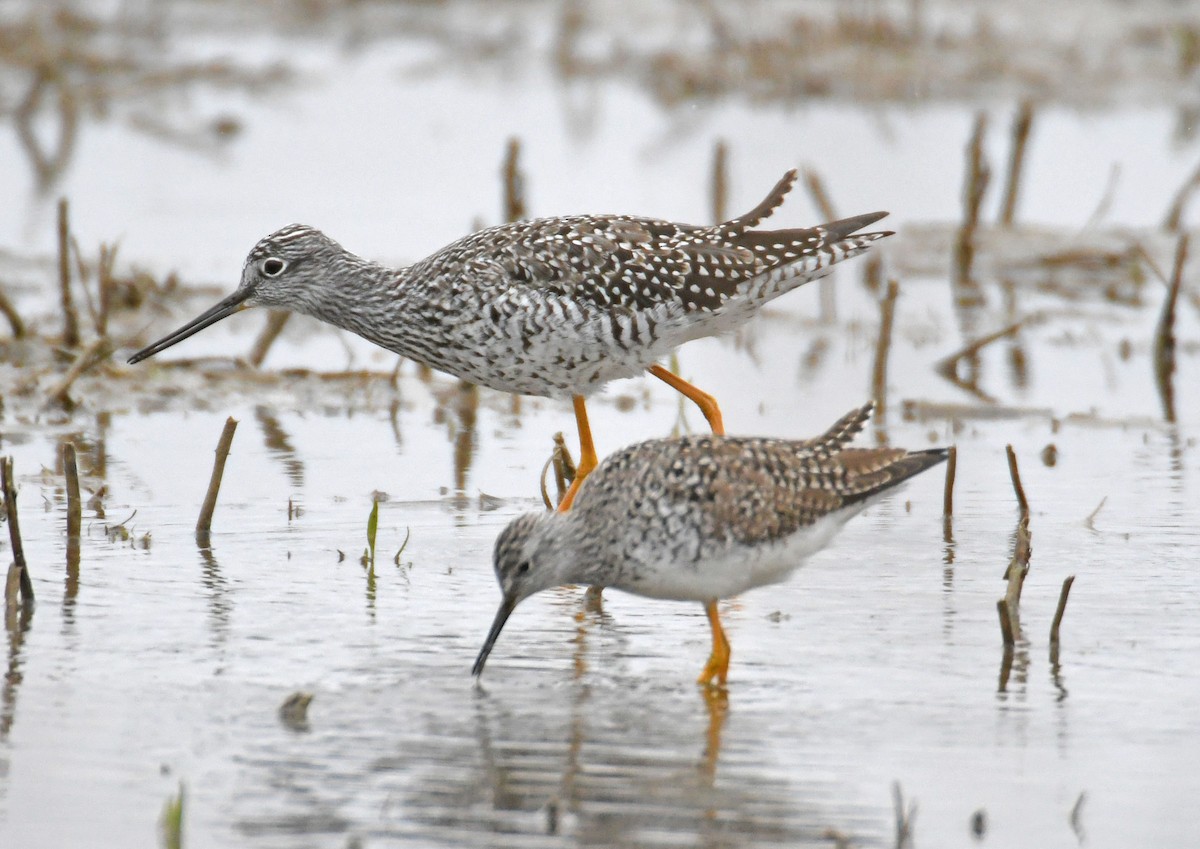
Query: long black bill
<point x="506" y="609"/>
<point x="234" y="303"/>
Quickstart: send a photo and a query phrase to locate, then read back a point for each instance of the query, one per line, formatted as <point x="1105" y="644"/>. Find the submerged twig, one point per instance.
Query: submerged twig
<point x="948" y="366"/>
<point x="94" y="353"/>
<point x="905" y="815"/>
<point x="1164" y="334"/>
<point x="21" y="569"/>
<point x="948" y="492"/>
<point x="978" y="175"/>
<point x="74" y="509"/>
<point x="1062" y="607"/>
<point x="887" y="314"/>
<point x="1006" y="627"/>
<point x="70" y="317"/>
<point x="1016" y="162"/>
<point x="204" y="522"/>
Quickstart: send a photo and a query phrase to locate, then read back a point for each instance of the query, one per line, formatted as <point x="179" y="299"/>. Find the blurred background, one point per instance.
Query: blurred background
<point x="1039" y="162"/>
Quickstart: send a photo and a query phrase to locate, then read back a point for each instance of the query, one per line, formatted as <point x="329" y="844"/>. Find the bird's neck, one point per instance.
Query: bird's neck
<point x="368" y="299"/>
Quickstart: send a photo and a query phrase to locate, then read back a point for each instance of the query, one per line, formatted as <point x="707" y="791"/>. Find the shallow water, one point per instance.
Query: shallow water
<point x="878" y="662"/>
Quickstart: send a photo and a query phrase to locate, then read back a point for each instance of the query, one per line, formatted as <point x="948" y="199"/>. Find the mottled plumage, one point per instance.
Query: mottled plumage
<point x="551" y="306"/>
<point x="700" y="518"/>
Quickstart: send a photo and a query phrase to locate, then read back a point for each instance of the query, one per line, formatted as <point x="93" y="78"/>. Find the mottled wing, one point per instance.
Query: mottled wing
<point x="762" y="490"/>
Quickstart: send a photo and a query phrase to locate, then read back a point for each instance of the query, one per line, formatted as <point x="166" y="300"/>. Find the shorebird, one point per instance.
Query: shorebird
<point x="700" y="518"/>
<point x="551" y="306"/>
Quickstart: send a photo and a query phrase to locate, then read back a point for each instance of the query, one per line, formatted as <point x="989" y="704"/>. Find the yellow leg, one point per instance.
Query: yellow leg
<point x="587" y="454"/>
<point x="706" y="402"/>
<point x="717" y="668"/>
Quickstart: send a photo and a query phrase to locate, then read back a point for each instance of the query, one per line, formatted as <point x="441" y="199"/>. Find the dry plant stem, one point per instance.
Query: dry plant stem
<point x="1164" y="334"/>
<point x="1174" y="216"/>
<point x="1062" y="607"/>
<point x="14" y="319"/>
<point x="948" y="366"/>
<point x="204" y="523"/>
<point x="95" y="352"/>
<point x="887" y="314"/>
<point x="820" y="197"/>
<point x="1018" y="567"/>
<point x="514" y="183"/>
<point x="1006" y="628"/>
<point x="74" y="506"/>
<point x="1016" y="162"/>
<point x="720" y="181"/>
<point x="14" y="530"/>
<point x="1015" y="474"/>
<point x="276" y="319"/>
<point x="104" y="284"/>
<point x="978" y="175"/>
<point x="948" y="493"/>
<point x="70" y="317"/>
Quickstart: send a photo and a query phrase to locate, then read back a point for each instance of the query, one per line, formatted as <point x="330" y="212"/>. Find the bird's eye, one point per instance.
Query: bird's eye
<point x="273" y="266"/>
<point x="522" y="567"/>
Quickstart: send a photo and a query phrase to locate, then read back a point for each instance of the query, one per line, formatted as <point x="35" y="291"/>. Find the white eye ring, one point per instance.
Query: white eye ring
<point x="272" y="266"/>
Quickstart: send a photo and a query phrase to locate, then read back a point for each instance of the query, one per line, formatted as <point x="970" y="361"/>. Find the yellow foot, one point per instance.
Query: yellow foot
<point x="587" y="455"/>
<point x="706" y="402"/>
<point x="716" y="671"/>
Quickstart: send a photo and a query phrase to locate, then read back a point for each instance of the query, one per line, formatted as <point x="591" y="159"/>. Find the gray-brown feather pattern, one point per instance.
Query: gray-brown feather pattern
<point x="751" y="490"/>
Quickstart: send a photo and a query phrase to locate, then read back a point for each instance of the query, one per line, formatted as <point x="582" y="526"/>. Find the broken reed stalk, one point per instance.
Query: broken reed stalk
<point x="70" y="317"/>
<point x="276" y="319"/>
<point x="204" y="523"/>
<point x="887" y="314"/>
<point x="10" y="313"/>
<point x="873" y="271"/>
<point x="820" y="197"/>
<point x="948" y="492"/>
<point x="720" y="181"/>
<point x="74" y="507"/>
<point x="948" y="366"/>
<point x="1006" y="627"/>
<point x="1164" y="334"/>
<point x="105" y="284"/>
<point x="14" y="535"/>
<point x="1062" y="607"/>
<point x="1015" y="474"/>
<point x="96" y="351"/>
<point x="1016" y="162"/>
<point x="1174" y="217"/>
<point x="1018" y="567"/>
<point x="978" y="175"/>
<point x="514" y="183"/>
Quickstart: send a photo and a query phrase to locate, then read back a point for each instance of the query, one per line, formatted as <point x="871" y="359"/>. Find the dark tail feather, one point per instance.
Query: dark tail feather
<point x="768" y="205"/>
<point x="843" y="227"/>
<point x="897" y="472"/>
<point x="843" y="431"/>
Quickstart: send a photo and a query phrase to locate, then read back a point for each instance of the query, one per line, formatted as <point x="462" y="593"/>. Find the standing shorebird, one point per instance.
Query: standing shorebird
<point x="552" y="306"/>
<point x="700" y="519"/>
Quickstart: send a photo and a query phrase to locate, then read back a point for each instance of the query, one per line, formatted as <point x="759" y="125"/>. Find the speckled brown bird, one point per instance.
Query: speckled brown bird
<point x="551" y="306"/>
<point x="700" y="518"/>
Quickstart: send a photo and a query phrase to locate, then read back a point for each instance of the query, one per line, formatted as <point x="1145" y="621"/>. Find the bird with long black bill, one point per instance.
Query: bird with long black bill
<point x="556" y="307"/>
